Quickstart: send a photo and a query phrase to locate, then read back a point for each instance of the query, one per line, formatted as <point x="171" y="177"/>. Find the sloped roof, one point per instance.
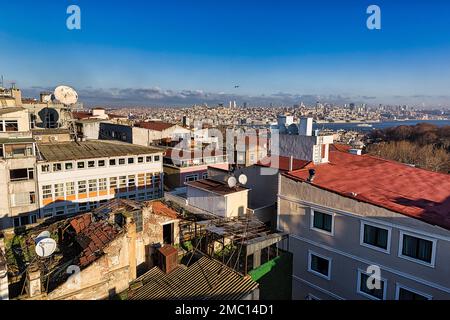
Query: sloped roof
<point x="155" y="125"/>
<point x="417" y="193"/>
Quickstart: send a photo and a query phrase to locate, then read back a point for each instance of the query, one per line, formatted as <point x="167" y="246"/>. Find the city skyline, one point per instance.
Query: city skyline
<point x="180" y="53"/>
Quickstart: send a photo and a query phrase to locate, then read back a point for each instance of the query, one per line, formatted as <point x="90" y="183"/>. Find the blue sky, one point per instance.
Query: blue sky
<point x="183" y="52"/>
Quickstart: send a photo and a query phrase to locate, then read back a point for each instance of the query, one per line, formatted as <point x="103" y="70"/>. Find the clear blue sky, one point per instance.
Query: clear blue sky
<point x="192" y="50"/>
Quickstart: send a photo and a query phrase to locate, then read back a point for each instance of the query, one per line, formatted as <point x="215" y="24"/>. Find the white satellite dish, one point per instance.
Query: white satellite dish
<point x="66" y="95"/>
<point x="41" y="236"/>
<point x="47" y="98"/>
<point x="45" y="247"/>
<point x="243" y="179"/>
<point x="231" y="182"/>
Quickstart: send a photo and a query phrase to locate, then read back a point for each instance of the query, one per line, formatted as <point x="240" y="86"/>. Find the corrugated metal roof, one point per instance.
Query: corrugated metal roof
<point x="64" y="151"/>
<point x="206" y="279"/>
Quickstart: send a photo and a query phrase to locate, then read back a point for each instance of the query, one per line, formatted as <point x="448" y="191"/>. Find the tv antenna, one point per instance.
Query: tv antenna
<point x="68" y="97"/>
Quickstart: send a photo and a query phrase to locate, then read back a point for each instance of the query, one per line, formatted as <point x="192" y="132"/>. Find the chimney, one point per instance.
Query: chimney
<point x="312" y="174"/>
<point x="34" y="285"/>
<point x="305" y="127"/>
<point x="291" y="163"/>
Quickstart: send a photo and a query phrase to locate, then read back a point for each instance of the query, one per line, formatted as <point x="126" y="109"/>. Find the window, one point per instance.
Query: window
<point x="47" y="192"/>
<point x="112" y="162"/>
<point x="33" y="218"/>
<point x="23" y="198"/>
<point x="132" y="181"/>
<point x="91" y="164"/>
<point x="121" y="161"/>
<point x="11" y="125"/>
<point x="149" y="179"/>
<point x="113" y="183"/>
<point x="403" y="293"/>
<point x="70" y="188"/>
<point x="416" y="248"/>
<point x="156" y="158"/>
<point x="81" y="187"/>
<point x="372" y="293"/>
<point x="57" y="167"/>
<point x="205" y="175"/>
<point x="101" y="163"/>
<point x="375" y="237"/>
<point x="321" y="221"/>
<point x="130" y="160"/>
<point x="141" y="196"/>
<point x="191" y="177"/>
<point x="93" y="185"/>
<point x="21" y="174"/>
<point x="168" y="233"/>
<point x="319" y="265"/>
<point x="80" y="165"/>
<point x="48" y="213"/>
<point x="140" y="159"/>
<point x="60" y="210"/>
<point x="141" y="179"/>
<point x="82" y="207"/>
<point x="68" y="165"/>
<point x="45" y="168"/>
<point x="59" y="190"/>
<point x="71" y="209"/>
<point x="148" y="159"/>
<point x="122" y="181"/>
<point x="102" y="184"/>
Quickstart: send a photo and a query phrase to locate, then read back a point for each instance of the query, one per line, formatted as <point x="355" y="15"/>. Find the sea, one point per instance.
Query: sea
<point x="353" y="126"/>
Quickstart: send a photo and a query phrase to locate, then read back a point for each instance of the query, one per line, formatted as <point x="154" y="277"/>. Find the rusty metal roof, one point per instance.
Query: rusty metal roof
<point x="71" y="150"/>
<point x="205" y="279"/>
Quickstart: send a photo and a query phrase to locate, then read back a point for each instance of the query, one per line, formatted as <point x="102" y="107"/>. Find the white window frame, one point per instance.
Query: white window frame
<point x="420" y="236"/>
<point x="330" y="260"/>
<point x="191" y="175"/>
<point x="367" y="245"/>
<point x="333" y="216"/>
<point x="399" y="285"/>
<point x="358" y="286"/>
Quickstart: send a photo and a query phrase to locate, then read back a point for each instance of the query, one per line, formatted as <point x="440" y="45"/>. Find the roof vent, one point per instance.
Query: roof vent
<point x="312" y="174"/>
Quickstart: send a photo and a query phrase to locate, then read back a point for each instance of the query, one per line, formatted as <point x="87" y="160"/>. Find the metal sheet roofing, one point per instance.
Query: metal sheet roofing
<point x="417" y="193"/>
<point x="206" y="279"/>
<point x="64" y="151"/>
<point x="214" y="186"/>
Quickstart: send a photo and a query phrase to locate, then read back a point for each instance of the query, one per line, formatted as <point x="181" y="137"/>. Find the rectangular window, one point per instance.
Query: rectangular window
<point x="148" y="159"/>
<point x="80" y="165"/>
<point x="130" y="160"/>
<point x="59" y="190"/>
<point x="369" y="289"/>
<point x="23" y="198"/>
<point x="71" y="209"/>
<point x="156" y="158"/>
<point x="93" y="185"/>
<point x="122" y="181"/>
<point x="82" y="207"/>
<point x="91" y="164"/>
<point x="112" y="162"/>
<point x="101" y="163"/>
<point x="140" y="159"/>
<point x="68" y="166"/>
<point x="121" y="161"/>
<point x="70" y="188"/>
<point x="47" y="192"/>
<point x="319" y="265"/>
<point x="141" y="179"/>
<point x="113" y="183"/>
<point x="375" y="237"/>
<point x="11" y="125"/>
<point x="48" y="213"/>
<point x="59" y="211"/>
<point x="45" y="168"/>
<point x="205" y="175"/>
<point x="81" y="187"/>
<point x="417" y="248"/>
<point x="21" y="174"/>
<point x="191" y="177"/>
<point x="322" y="221"/>
<point x="403" y="293"/>
<point x="132" y="181"/>
<point x="57" y="167"/>
<point x="102" y="184"/>
<point x="149" y="179"/>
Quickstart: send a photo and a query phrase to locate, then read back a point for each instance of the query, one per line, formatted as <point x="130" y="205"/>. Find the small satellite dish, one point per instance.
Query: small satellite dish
<point x="47" y="98"/>
<point x="66" y="95"/>
<point x="231" y="182"/>
<point x="42" y="235"/>
<point x="243" y="179"/>
<point x="45" y="247"/>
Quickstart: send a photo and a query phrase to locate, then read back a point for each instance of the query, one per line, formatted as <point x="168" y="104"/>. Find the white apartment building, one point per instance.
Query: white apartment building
<point x="78" y="176"/>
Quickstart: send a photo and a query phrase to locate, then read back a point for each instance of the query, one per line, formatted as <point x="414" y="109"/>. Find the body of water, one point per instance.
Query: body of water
<point x="376" y="125"/>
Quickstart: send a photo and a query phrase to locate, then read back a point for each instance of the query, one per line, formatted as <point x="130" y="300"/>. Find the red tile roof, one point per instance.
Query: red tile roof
<point x="414" y="192"/>
<point x="282" y="163"/>
<point x="155" y="125"/>
<point x="161" y="209"/>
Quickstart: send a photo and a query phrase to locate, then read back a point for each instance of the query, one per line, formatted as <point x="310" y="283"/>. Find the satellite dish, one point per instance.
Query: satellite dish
<point x="243" y="179"/>
<point x="47" y="98"/>
<point x="66" y="95"/>
<point x="231" y="182"/>
<point x="42" y="235"/>
<point x="45" y="247"/>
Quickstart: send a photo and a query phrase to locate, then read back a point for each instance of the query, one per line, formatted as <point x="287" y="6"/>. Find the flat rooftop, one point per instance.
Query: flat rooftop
<point x="71" y="150"/>
<point x="414" y="192"/>
<point x="214" y="186"/>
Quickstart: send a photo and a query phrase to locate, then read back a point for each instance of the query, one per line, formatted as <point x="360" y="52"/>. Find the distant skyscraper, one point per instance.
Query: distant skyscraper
<point x="232" y="104"/>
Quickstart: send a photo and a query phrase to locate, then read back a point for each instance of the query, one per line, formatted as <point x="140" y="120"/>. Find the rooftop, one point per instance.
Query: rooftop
<point x="155" y="125"/>
<point x="214" y="186"/>
<point x="205" y="279"/>
<point x="414" y="192"/>
<point x="282" y="163"/>
<point x="64" y="151"/>
<point x="10" y="110"/>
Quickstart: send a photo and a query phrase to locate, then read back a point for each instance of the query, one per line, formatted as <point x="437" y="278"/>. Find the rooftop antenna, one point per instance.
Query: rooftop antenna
<point x="68" y="97"/>
<point x="3" y="84"/>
